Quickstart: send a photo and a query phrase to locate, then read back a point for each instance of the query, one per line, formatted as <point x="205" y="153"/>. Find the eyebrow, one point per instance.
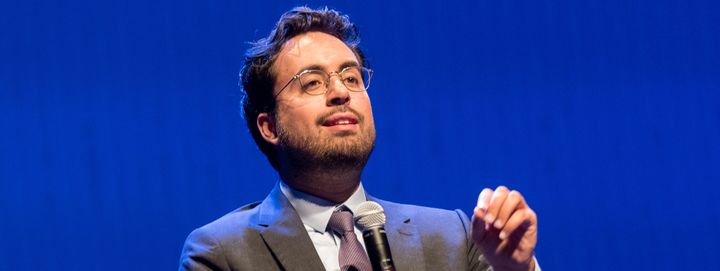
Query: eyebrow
<point x="340" y="68"/>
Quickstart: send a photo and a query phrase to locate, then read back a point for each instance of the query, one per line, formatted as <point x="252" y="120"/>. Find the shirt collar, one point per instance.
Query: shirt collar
<point x="315" y="212"/>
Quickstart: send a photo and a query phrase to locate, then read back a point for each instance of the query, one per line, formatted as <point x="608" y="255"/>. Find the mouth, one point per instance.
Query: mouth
<point x="341" y="119"/>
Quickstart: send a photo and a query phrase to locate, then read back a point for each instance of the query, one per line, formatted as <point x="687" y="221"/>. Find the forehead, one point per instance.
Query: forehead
<point x="312" y="49"/>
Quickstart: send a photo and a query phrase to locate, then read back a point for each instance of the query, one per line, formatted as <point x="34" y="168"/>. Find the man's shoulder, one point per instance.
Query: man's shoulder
<point x="231" y="225"/>
<point x="231" y="240"/>
<point x="418" y="210"/>
<point x="422" y="214"/>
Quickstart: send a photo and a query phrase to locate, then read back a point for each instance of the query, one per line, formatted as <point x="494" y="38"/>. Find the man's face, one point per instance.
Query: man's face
<point x="314" y="130"/>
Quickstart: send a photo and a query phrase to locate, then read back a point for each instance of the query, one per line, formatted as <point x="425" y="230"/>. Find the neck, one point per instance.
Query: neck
<point x="334" y="185"/>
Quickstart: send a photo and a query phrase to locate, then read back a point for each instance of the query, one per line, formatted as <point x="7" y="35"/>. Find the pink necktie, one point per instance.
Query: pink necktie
<point x="352" y="254"/>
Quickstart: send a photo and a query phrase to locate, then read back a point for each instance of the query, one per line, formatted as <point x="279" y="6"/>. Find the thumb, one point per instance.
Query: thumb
<point x="479" y="227"/>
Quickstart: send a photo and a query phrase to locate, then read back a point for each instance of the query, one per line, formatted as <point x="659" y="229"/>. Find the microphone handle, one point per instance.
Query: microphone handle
<point x="378" y="249"/>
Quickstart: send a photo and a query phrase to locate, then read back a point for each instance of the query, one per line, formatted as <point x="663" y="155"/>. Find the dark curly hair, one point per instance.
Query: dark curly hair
<point x="256" y="76"/>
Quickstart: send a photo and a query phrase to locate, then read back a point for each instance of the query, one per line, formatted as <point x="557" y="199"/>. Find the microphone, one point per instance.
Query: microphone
<point x="370" y="218"/>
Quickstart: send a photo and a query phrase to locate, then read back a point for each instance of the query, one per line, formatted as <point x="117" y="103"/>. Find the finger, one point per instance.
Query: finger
<point x="482" y="205"/>
<point x="483" y="201"/>
<point x="479" y="228"/>
<point x="520" y="219"/>
<point x="513" y="200"/>
<point x="496" y="201"/>
<point x="486" y="238"/>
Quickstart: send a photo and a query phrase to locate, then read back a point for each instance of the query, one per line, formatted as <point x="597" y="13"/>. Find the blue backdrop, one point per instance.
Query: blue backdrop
<point x="121" y="130"/>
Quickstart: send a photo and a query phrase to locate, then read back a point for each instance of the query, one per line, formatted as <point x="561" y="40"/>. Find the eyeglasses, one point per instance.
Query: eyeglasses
<point x="316" y="82"/>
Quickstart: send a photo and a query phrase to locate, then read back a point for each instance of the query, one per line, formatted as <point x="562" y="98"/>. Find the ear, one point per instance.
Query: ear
<point x="266" y="125"/>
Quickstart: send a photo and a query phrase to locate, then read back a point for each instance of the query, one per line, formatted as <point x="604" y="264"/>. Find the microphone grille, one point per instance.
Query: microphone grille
<point x="370" y="214"/>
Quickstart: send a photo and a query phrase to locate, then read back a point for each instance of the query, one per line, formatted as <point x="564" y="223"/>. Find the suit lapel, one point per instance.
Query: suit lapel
<point x="405" y="244"/>
<point x="285" y="235"/>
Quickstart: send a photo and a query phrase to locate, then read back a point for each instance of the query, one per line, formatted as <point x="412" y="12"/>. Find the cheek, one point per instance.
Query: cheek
<point x="299" y="103"/>
<point x="365" y="107"/>
<point x="298" y="116"/>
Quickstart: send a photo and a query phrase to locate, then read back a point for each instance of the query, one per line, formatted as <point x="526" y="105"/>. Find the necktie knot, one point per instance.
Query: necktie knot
<point x="342" y="222"/>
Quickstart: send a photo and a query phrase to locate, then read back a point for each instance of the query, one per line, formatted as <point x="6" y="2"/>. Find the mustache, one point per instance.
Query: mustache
<point x="340" y="109"/>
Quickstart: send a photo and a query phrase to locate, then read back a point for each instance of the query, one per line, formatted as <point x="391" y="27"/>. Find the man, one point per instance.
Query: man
<point x="307" y="108"/>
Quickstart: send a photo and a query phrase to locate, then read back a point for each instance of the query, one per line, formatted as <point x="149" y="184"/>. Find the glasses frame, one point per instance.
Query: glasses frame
<point x="330" y="75"/>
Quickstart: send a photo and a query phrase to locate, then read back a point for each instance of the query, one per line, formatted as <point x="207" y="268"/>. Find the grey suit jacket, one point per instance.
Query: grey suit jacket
<point x="270" y="236"/>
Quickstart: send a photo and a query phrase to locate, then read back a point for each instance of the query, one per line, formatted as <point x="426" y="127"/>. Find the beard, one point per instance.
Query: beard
<point x="335" y="152"/>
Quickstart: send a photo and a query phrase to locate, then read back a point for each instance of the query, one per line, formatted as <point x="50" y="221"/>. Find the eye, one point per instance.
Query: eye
<point x="312" y="81"/>
<point x="352" y="80"/>
<point x="311" y="84"/>
<point x="351" y="77"/>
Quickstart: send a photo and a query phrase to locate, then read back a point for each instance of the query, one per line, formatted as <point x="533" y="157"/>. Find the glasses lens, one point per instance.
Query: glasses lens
<point x="356" y="78"/>
<point x="352" y="78"/>
<point x="313" y="82"/>
<point x="366" y="75"/>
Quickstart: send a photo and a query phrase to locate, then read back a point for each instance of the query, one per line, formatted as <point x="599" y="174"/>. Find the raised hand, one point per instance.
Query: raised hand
<point x="505" y="229"/>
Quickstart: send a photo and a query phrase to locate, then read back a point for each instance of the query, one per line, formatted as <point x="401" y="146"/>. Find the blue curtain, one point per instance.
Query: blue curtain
<point x="121" y="129"/>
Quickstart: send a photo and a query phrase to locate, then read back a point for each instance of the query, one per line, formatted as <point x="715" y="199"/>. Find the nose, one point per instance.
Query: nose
<point x="337" y="93"/>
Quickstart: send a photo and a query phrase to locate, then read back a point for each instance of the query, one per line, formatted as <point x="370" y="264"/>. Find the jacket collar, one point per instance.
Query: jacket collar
<point x="285" y="235"/>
